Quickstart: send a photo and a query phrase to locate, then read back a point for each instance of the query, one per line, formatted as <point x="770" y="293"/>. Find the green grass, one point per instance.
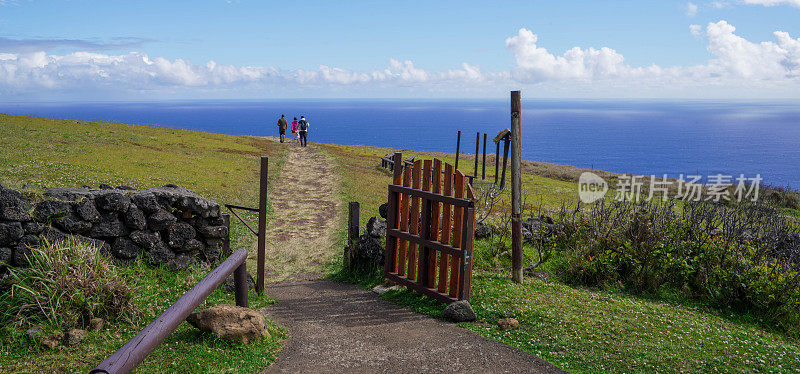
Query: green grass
<point x="54" y="152"/>
<point x="577" y="329"/>
<point x="185" y="350"/>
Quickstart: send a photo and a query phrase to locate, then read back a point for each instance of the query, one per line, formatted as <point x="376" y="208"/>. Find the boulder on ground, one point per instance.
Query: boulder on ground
<point x="109" y="227"/>
<point x="179" y="233"/>
<point x="459" y="311"/>
<point x="538" y="229"/>
<point x="75" y="337"/>
<point x="383" y="210"/>
<point x="13" y="206"/>
<point x="96" y="323"/>
<point x="376" y="227"/>
<point x="483" y="230"/>
<point x="507" y="323"/>
<point x="52" y="341"/>
<point x="10" y="233"/>
<point x="112" y="200"/>
<point x="231" y="322"/>
<point x="135" y="219"/>
<point x="365" y="255"/>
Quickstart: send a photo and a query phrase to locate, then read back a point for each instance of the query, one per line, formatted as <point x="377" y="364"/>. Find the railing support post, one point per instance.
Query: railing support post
<point x="353" y="209"/>
<point x="240" y="283"/>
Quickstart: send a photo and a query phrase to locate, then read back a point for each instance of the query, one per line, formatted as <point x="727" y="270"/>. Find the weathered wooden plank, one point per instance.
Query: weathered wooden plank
<point x="401" y="258"/>
<point x="466" y="260"/>
<point x="432" y="196"/>
<point x="413" y="226"/>
<point x="390" y="263"/>
<point x="438" y="246"/>
<point x="430" y="292"/>
<point x="445" y="238"/>
<point x="458" y="215"/>
<point x="425" y="277"/>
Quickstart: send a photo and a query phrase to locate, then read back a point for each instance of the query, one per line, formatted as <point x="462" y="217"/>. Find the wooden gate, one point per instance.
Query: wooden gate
<point x="430" y="230"/>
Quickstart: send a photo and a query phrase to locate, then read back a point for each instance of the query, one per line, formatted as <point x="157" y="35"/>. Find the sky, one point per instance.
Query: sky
<point x="143" y="50"/>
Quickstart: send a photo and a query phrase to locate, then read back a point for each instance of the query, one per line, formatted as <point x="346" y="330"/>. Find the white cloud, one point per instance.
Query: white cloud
<point x="720" y="4"/>
<point x="737" y="66"/>
<point x="773" y="2"/>
<point x="691" y="9"/>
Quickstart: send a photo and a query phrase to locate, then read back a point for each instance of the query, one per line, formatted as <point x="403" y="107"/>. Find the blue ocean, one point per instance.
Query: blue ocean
<point x="642" y="137"/>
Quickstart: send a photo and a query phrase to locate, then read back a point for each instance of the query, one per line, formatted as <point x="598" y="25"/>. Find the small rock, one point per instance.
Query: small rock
<point x="507" y="323"/>
<point x="135" y="219"/>
<point x="483" y="230"/>
<point x="114" y="200"/>
<point x="75" y="337"/>
<point x="32" y="228"/>
<point x="376" y="227"/>
<point x="13" y="206"/>
<point x="51" y="209"/>
<point x="459" y="311"/>
<point x="231" y="322"/>
<point x="110" y="226"/>
<point x="146" y="239"/>
<point x="5" y="255"/>
<point x="52" y="341"/>
<point x="96" y="324"/>
<point x="180" y="262"/>
<point x="381" y="289"/>
<point x="161" y="255"/>
<point x="125" y="248"/>
<point x="160" y="220"/>
<point x="10" y="233"/>
<point x="193" y="245"/>
<point x="366" y="255"/>
<point x="179" y="233"/>
<point x="145" y="201"/>
<point x="104" y="186"/>
<point x="213" y="231"/>
<point x="86" y="210"/>
<point x="34" y="333"/>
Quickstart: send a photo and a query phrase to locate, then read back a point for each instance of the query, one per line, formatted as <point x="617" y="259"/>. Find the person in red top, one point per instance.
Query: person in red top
<point x="294" y="129"/>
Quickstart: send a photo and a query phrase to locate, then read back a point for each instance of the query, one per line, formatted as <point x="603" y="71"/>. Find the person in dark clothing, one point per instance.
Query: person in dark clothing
<point x="303" y="126"/>
<point x="282" y="127"/>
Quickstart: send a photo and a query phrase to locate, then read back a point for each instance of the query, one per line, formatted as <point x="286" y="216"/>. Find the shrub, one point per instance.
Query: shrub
<point x="743" y="256"/>
<point x="66" y="284"/>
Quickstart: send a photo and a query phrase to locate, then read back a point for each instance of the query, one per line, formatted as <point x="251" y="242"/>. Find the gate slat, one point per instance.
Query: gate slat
<point x="436" y="175"/>
<point x="425" y="268"/>
<point x="413" y="226"/>
<point x="444" y="257"/>
<point x="390" y="263"/>
<point x="458" y="215"/>
<point x="401" y="261"/>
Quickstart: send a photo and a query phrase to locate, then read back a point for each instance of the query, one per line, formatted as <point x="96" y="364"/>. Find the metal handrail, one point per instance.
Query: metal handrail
<point x="134" y="351"/>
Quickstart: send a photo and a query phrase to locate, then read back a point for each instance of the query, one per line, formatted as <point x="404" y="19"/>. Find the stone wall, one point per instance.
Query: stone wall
<point x="170" y="225"/>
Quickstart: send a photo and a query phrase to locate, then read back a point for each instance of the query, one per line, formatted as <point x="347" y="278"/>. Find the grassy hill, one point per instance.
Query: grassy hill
<point x="578" y="329"/>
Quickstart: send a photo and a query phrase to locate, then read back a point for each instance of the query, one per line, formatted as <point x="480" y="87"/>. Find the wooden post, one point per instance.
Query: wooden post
<point x="392" y="219"/>
<point x="483" y="170"/>
<point x="477" y="152"/>
<point x="262" y="222"/>
<point x="516" y="187"/>
<point x="458" y="147"/>
<point x="226" y="242"/>
<point x="352" y="228"/>
<point x="497" y="163"/>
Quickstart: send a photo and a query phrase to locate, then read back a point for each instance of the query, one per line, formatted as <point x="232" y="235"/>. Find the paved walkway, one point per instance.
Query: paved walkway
<point x="342" y="328"/>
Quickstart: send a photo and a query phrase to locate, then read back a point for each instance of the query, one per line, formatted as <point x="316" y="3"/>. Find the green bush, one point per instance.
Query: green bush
<point x="66" y="284"/>
<point x="740" y="257"/>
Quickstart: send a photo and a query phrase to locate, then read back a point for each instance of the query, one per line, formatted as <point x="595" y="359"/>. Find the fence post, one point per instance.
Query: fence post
<point x="516" y="187"/>
<point x="226" y="242"/>
<point x="477" y="152"/>
<point x="458" y="147"/>
<point x="483" y="170"/>
<point x="262" y="222"/>
<point x="352" y="228"/>
<point x="497" y="163"/>
<point x="466" y="260"/>
<point x="391" y="218"/>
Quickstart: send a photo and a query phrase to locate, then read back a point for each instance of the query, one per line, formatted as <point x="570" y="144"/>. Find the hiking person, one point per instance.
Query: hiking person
<point x="294" y="130"/>
<point x="302" y="128"/>
<point x="282" y="127"/>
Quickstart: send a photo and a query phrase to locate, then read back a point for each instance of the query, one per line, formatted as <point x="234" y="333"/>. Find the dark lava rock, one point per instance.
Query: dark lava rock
<point x="180" y="262"/>
<point x="160" y="255"/>
<point x="126" y="188"/>
<point x="213" y="251"/>
<point x="53" y="235"/>
<point x="113" y="200"/>
<point x="10" y="233"/>
<point x="146" y="239"/>
<point x="125" y="248"/>
<point x="376" y="227"/>
<point x="72" y="223"/>
<point x="459" y="311"/>
<point x="20" y="256"/>
<point x="110" y="226"/>
<point x="213" y="231"/>
<point x="192" y="245"/>
<point x="179" y="233"/>
<point x="383" y="210"/>
<point x="483" y="230"/>
<point x="13" y="206"/>
<point x="160" y="220"/>
<point x="146" y="201"/>
<point x="32" y="227"/>
<point x="51" y="209"/>
<point x="87" y="211"/>
<point x="538" y="229"/>
<point x="230" y="285"/>
<point x="185" y="200"/>
<point x="366" y="255"/>
<point x="68" y="194"/>
<point x="104" y="186"/>
<point x="5" y="255"/>
<point x="135" y="219"/>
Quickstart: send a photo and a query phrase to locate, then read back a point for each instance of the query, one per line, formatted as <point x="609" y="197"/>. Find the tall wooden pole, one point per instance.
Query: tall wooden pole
<point x="483" y="169"/>
<point x="516" y="187"/>
<point x="262" y="223"/>
<point x="458" y="147"/>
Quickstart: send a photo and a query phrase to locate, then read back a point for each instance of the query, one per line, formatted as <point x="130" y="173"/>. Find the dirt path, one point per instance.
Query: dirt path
<point x="342" y="328"/>
<point x="301" y="232"/>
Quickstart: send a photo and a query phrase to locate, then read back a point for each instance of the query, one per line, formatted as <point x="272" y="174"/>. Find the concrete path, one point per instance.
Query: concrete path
<point x="342" y="328"/>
